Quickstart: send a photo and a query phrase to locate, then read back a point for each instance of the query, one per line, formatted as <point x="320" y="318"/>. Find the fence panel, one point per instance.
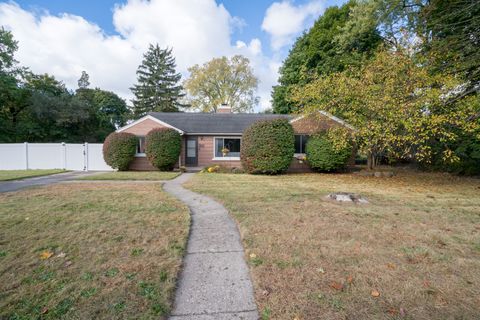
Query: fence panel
<point x="74" y="156"/>
<point x="69" y="156"/>
<point x="45" y="156"/>
<point x="13" y="156"/>
<point x="95" y="159"/>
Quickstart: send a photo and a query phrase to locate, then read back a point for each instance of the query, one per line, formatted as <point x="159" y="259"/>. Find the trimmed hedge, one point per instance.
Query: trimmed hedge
<point x="322" y="156"/>
<point x="268" y="146"/>
<point x="119" y="149"/>
<point x="162" y="147"/>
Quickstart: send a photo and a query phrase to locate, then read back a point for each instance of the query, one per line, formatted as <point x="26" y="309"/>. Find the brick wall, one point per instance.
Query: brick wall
<point x="142" y="128"/>
<point x="206" y="154"/>
<point x="313" y="123"/>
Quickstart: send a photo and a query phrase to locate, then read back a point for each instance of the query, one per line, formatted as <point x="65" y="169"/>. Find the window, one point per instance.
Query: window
<point x="230" y="144"/>
<point x="141" y="145"/>
<point x="300" y="143"/>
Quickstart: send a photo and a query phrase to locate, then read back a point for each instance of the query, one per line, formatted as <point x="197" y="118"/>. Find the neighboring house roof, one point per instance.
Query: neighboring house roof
<point x="211" y="123"/>
<point x="216" y="123"/>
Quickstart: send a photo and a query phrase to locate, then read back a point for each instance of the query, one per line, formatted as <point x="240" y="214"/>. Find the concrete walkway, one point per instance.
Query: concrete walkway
<point x="6" y="186"/>
<point x="215" y="282"/>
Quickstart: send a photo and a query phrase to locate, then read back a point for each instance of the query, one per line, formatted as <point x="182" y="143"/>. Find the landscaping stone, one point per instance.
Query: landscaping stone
<point x="347" y="197"/>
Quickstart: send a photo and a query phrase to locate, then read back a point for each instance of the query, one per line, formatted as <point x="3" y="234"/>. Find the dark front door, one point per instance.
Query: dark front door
<point x="191" y="154"/>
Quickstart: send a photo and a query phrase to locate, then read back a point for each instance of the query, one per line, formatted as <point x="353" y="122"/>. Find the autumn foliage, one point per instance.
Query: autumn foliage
<point x="119" y="150"/>
<point x="324" y="155"/>
<point x="162" y="147"/>
<point x="267" y="146"/>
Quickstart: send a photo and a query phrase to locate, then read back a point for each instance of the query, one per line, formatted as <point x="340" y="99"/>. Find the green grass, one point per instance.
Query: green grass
<point x="416" y="243"/>
<point x="90" y="251"/>
<point x="6" y="175"/>
<point x="133" y="175"/>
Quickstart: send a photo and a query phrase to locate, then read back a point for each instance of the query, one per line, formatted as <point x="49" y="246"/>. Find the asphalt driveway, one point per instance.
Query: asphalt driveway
<point x="14" y="185"/>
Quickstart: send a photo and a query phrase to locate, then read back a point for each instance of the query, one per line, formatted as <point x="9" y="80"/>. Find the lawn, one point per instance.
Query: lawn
<point x="412" y="253"/>
<point x="90" y="251"/>
<point x="6" y="175"/>
<point x="133" y="175"/>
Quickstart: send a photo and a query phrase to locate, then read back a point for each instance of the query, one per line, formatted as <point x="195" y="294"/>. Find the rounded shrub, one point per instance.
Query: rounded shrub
<point x="323" y="155"/>
<point x="119" y="150"/>
<point x="162" y="147"/>
<point x="268" y="146"/>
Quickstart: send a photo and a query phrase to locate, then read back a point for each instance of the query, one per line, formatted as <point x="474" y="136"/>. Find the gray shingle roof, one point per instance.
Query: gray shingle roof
<point x="211" y="123"/>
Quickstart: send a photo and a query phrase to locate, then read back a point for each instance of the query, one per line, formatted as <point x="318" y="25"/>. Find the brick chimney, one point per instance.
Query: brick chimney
<point x="224" y="108"/>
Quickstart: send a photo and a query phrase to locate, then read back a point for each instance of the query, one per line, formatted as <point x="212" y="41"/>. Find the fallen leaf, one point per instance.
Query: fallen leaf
<point x="68" y="263"/>
<point x="321" y="270"/>
<point x="46" y="254"/>
<point x="253" y="255"/>
<point x="60" y="255"/>
<point x="44" y="310"/>
<point x="392" y="311"/>
<point x="336" y="285"/>
<point x="426" y="283"/>
<point x="391" y="266"/>
<point x="349" y="279"/>
<point x="375" y="293"/>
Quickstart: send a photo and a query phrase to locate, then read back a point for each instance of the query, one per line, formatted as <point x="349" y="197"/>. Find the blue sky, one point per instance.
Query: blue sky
<point x="106" y="38"/>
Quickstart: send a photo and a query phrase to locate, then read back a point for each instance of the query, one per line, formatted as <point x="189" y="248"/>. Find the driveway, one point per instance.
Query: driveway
<point x="6" y="186"/>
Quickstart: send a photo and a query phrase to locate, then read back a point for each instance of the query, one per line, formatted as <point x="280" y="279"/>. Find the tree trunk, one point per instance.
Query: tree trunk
<point x="371" y="160"/>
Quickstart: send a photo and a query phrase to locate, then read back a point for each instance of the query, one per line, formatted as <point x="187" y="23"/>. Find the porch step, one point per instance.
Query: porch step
<point x="194" y="169"/>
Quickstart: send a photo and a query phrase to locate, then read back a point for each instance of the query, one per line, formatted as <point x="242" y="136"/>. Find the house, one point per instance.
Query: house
<point x="204" y="135"/>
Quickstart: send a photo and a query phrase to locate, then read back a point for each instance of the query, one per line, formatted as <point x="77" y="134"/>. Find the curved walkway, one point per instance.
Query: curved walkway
<point x="215" y="282"/>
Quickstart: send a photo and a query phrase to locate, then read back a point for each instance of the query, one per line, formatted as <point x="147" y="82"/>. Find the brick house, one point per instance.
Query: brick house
<point x="204" y="135"/>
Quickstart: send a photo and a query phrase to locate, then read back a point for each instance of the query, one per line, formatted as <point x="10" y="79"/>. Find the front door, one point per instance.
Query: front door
<point x="191" y="154"/>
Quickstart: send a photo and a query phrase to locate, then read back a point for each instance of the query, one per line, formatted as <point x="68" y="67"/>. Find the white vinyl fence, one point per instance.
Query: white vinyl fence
<point x="68" y="156"/>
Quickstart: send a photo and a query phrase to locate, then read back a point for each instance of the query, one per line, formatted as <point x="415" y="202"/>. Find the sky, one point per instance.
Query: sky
<point x="106" y="38"/>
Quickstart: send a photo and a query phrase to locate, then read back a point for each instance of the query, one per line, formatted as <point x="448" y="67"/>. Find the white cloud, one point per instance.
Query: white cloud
<point x="65" y="45"/>
<point x="283" y="20"/>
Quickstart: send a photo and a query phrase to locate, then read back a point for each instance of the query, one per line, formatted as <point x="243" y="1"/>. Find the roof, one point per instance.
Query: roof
<point x="213" y="123"/>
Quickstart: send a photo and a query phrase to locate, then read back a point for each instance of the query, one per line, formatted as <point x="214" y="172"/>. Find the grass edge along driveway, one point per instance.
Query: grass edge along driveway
<point x="133" y="175"/>
<point x="88" y="251"/>
<point x="412" y="253"/>
<point x="8" y="175"/>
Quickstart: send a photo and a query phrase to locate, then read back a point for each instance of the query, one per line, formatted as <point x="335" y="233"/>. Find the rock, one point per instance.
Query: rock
<point x="343" y="198"/>
<point x="347" y="197"/>
<point x="378" y="174"/>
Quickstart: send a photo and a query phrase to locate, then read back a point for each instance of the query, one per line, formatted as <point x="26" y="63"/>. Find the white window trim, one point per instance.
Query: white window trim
<point x="304" y="153"/>
<point x="225" y="158"/>
<point x="140" y="154"/>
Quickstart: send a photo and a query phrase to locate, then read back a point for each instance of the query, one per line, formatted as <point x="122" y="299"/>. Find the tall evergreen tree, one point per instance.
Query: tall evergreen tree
<point x="157" y="87"/>
<point x="84" y="82"/>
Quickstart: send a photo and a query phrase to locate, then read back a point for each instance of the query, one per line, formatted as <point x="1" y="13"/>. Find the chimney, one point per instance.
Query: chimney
<point x="224" y="108"/>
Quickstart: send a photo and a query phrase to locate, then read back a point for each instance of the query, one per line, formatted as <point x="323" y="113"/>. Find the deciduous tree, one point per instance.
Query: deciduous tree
<point x="222" y="80"/>
<point x="397" y="107"/>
